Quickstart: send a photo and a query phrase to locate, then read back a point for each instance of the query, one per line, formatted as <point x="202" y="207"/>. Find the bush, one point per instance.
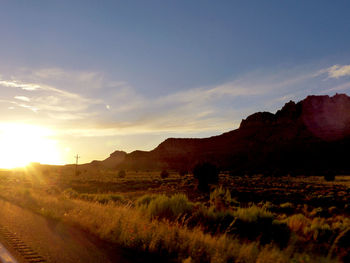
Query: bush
<point x="162" y="206"/>
<point x="329" y="177"/>
<point x="341" y="246"/>
<point x="287" y="208"/>
<point x="253" y="214"/>
<point x="183" y="172"/>
<point x="206" y="173"/>
<point x="164" y="174"/>
<point x="221" y="198"/>
<point x="253" y="222"/>
<point x="70" y="193"/>
<point x="144" y="200"/>
<point x="297" y="223"/>
<point x="211" y="219"/>
<point x="101" y="198"/>
<point x="121" y="174"/>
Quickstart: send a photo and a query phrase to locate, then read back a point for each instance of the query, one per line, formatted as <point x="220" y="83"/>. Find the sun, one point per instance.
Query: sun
<point x="21" y="144"/>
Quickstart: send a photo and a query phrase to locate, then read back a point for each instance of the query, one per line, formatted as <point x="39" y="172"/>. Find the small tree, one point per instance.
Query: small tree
<point x="183" y="172"/>
<point x="164" y="174"/>
<point x="206" y="173"/>
<point x="329" y="177"/>
<point x="121" y="174"/>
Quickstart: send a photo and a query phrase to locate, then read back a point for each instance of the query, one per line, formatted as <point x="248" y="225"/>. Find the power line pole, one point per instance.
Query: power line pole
<point x="76" y="164"/>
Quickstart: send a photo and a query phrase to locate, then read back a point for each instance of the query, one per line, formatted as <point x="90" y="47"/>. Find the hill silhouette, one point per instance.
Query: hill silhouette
<point x="311" y="136"/>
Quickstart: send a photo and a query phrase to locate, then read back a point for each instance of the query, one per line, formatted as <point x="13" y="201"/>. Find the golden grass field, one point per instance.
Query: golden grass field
<point x="244" y="219"/>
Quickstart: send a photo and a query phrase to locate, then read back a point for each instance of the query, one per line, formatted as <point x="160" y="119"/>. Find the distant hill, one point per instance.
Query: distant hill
<point x="310" y="136"/>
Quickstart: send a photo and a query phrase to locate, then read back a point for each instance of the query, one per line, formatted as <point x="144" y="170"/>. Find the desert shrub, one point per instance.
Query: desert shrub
<point x="210" y="219"/>
<point x="329" y="177"/>
<point x="253" y="214"/>
<point x="106" y="198"/>
<point x="333" y="210"/>
<point x="206" y="173"/>
<point x="183" y="172"/>
<point x="320" y="230"/>
<point x="319" y="212"/>
<point x="53" y="190"/>
<point x="121" y="174"/>
<point x="248" y="253"/>
<point x="341" y="247"/>
<point x="70" y="193"/>
<point x="144" y="200"/>
<point x="221" y="198"/>
<point x="279" y="233"/>
<point x="168" y="207"/>
<point x="287" y="208"/>
<point x="87" y="197"/>
<point x="164" y="174"/>
<point x="252" y="222"/>
<point x="287" y="205"/>
<point x="347" y="208"/>
<point x="101" y="198"/>
<point x="269" y="254"/>
<point x="298" y="223"/>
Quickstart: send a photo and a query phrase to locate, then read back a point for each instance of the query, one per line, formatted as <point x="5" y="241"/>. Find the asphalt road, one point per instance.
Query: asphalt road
<point x="33" y="238"/>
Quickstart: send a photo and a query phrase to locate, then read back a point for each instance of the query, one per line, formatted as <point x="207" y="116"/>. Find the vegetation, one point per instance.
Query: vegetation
<point x="183" y="172"/>
<point x="121" y="174"/>
<point x="329" y="177"/>
<point x="161" y="206"/>
<point x="164" y="174"/>
<point x="206" y="173"/>
<point x="226" y="226"/>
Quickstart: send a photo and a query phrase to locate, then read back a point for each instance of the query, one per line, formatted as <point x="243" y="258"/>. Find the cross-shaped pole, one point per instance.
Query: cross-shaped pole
<point x="76" y="164"/>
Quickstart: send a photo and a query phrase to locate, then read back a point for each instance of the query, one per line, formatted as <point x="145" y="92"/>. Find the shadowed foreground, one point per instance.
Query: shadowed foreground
<point x="33" y="238"/>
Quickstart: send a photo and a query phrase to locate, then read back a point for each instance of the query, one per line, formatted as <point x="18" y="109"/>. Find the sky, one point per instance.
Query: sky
<point x="92" y="77"/>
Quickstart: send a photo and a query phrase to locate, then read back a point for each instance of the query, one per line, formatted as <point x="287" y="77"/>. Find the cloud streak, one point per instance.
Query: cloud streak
<point x="45" y="99"/>
<point x="338" y="71"/>
<point x="16" y="84"/>
<point x="114" y="107"/>
<point x="22" y="98"/>
<point x="87" y="108"/>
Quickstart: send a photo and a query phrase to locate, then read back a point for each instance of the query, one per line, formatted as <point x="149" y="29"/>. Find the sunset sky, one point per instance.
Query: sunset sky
<point x="91" y="77"/>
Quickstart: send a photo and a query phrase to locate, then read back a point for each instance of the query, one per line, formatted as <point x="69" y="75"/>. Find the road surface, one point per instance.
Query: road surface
<point x="5" y="256"/>
<point x="31" y="238"/>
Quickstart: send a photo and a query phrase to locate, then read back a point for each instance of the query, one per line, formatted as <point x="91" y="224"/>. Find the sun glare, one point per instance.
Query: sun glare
<point x="21" y="144"/>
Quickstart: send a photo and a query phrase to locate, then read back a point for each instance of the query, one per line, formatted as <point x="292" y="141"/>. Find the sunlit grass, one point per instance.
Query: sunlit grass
<point x="218" y="230"/>
<point x="128" y="226"/>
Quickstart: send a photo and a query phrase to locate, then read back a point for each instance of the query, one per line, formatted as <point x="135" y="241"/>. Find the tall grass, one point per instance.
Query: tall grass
<point x="253" y="214"/>
<point x="162" y="206"/>
<point x="127" y="226"/>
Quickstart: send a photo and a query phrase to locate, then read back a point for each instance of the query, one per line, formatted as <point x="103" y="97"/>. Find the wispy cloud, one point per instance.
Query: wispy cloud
<point x="338" y="71"/>
<point x="16" y="84"/>
<point x="108" y="107"/>
<point x="88" y="108"/>
<point x="38" y="87"/>
<point x="42" y="96"/>
<point x="337" y="88"/>
<point x="23" y="98"/>
<point x="216" y="108"/>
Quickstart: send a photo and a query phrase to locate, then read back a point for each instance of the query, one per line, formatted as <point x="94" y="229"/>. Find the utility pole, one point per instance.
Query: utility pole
<point x="76" y="164"/>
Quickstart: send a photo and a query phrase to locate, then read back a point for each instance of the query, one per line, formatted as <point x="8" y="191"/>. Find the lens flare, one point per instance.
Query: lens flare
<point x="21" y="144"/>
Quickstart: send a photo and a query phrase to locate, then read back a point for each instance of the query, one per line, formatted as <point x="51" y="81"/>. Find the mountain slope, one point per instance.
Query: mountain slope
<point x="308" y="136"/>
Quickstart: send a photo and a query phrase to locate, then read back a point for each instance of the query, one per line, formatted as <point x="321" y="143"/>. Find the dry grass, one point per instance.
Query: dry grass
<point x="127" y="226"/>
<point x="173" y="225"/>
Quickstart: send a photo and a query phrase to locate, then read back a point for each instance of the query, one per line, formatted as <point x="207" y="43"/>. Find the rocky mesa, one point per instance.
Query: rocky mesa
<point x="312" y="135"/>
